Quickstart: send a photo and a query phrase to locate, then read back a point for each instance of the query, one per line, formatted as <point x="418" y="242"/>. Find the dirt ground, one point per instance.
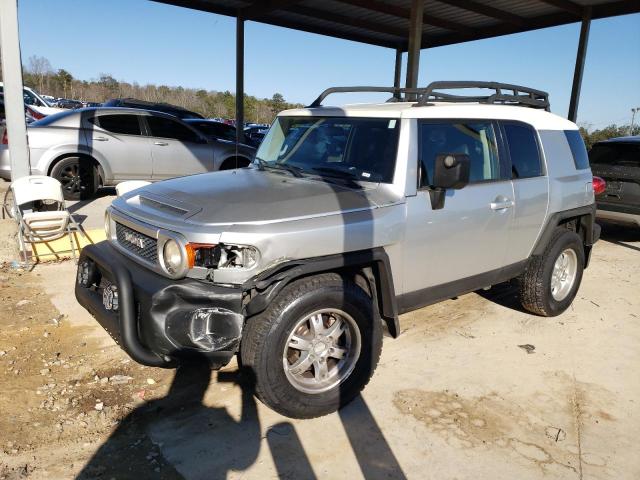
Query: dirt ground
<point x="473" y="388"/>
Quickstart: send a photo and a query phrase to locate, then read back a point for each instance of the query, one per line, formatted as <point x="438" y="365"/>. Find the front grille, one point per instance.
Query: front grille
<point x="137" y="243"/>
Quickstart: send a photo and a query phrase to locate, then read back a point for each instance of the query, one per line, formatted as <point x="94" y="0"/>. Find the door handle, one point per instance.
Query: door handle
<point x="101" y="139"/>
<point x="161" y="144"/>
<point x="502" y="205"/>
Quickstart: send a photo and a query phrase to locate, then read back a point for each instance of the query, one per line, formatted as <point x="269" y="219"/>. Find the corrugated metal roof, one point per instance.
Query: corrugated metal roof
<point x="386" y="22"/>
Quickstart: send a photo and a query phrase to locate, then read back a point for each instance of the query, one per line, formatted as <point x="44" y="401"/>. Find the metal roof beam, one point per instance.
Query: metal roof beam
<point x="264" y="7"/>
<point x="486" y="10"/>
<point x="565" y="5"/>
<point x="332" y="32"/>
<point x="202" y="5"/>
<point x="349" y="21"/>
<point x="401" y="12"/>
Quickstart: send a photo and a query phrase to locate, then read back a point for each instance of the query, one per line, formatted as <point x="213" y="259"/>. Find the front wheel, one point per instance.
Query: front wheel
<point x="551" y="280"/>
<point x="315" y="348"/>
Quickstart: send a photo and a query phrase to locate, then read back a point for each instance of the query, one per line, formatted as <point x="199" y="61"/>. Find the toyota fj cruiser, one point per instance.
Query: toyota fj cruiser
<point x="348" y="218"/>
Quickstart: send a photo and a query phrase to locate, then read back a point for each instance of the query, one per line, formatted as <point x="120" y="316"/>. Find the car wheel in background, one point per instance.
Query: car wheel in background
<point x="233" y="163"/>
<point x="79" y="177"/>
<point x="551" y="280"/>
<point x="315" y="348"/>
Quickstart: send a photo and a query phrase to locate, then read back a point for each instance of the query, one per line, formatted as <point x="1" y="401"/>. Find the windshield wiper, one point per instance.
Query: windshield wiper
<point x="346" y="177"/>
<point x="292" y="169"/>
<point x="261" y="163"/>
<point x="334" y="172"/>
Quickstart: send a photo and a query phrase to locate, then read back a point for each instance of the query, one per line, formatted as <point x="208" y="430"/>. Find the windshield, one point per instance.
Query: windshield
<point x="32" y="98"/>
<point x="355" y="148"/>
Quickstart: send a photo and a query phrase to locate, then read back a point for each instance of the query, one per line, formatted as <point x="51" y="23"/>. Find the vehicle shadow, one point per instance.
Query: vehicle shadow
<point x="101" y="192"/>
<point x="179" y="437"/>
<point x="620" y="234"/>
<point x="504" y="294"/>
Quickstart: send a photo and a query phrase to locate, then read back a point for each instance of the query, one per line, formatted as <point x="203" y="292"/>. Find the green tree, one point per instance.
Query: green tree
<point x="65" y="80"/>
<point x="277" y="103"/>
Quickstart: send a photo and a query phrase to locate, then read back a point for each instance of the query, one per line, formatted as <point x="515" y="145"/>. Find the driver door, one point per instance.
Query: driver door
<point x="469" y="236"/>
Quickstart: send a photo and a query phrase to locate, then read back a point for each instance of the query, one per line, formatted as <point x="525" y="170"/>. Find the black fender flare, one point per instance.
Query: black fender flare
<point x="373" y="264"/>
<point x="588" y="229"/>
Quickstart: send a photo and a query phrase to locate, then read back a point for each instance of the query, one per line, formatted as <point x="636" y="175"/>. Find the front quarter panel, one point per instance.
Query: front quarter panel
<point x="316" y="237"/>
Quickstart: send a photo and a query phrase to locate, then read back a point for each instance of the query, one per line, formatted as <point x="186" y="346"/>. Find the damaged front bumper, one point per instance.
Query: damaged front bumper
<point x="156" y="320"/>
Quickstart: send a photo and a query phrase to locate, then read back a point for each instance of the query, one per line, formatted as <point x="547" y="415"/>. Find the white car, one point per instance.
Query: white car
<point x="36" y="102"/>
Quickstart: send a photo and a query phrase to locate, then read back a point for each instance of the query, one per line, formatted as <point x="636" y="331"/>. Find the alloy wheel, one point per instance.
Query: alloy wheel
<point x="321" y="351"/>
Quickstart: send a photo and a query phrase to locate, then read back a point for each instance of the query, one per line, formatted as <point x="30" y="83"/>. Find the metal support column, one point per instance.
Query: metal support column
<point x="579" y="69"/>
<point x="398" y="70"/>
<point x="239" y="79"/>
<point x="415" y="39"/>
<point x="13" y="99"/>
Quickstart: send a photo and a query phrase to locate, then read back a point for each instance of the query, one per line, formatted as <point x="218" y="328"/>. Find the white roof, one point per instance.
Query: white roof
<point x="539" y="119"/>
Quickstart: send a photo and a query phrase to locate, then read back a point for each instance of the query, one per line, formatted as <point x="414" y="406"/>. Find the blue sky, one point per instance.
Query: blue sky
<point x="148" y="42"/>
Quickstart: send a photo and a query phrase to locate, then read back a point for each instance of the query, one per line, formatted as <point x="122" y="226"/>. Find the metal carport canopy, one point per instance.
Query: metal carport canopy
<point x="410" y="25"/>
<point x="386" y="23"/>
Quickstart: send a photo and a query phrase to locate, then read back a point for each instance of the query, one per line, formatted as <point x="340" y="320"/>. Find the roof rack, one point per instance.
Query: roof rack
<point x="516" y="95"/>
<point x="397" y="91"/>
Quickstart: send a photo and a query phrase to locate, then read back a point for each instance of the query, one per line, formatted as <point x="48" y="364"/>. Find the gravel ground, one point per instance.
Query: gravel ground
<point x="473" y="388"/>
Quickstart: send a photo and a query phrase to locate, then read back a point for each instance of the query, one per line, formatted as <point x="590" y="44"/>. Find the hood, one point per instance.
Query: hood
<point x="247" y="196"/>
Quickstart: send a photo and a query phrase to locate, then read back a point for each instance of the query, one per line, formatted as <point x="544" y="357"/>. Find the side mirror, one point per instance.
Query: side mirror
<point x="451" y="171"/>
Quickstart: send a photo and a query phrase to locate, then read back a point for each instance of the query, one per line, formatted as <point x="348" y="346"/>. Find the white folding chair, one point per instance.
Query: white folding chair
<point x="41" y="212"/>
<point x="129" y="185"/>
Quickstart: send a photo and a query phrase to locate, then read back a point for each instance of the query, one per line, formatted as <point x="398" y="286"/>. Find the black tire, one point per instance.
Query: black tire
<point x="266" y="334"/>
<point x="79" y="177"/>
<point x="232" y="163"/>
<point x="535" y="283"/>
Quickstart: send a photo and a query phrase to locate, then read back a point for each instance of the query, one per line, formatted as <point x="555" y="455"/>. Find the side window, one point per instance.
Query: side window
<point x="477" y="139"/>
<point x="121" y="124"/>
<point x="579" y="151"/>
<point x="167" y="128"/>
<point x="225" y="132"/>
<point x="523" y="150"/>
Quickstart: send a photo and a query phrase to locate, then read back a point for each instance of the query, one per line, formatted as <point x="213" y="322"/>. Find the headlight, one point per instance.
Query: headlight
<point x="221" y="256"/>
<point x="172" y="257"/>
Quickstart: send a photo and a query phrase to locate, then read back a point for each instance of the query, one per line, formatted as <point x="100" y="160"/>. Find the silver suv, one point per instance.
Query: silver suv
<point x="89" y="147"/>
<point x="348" y="217"/>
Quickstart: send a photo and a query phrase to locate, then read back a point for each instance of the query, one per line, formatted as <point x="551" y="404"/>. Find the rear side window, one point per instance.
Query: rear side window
<point x="477" y="139"/>
<point x="523" y="150"/>
<point x="121" y="124"/>
<point x="579" y="151"/>
<point x="616" y="154"/>
<point x="167" y="128"/>
<point x="216" y="130"/>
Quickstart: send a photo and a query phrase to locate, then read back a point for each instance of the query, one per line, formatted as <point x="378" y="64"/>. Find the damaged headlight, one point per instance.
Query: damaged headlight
<point x="221" y="256"/>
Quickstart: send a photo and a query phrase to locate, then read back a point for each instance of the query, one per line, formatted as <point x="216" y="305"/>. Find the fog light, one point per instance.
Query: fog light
<point x="110" y="297"/>
<point x="86" y="273"/>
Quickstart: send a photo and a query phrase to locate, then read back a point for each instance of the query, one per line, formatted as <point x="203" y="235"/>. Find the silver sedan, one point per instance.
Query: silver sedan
<point x="89" y="147"/>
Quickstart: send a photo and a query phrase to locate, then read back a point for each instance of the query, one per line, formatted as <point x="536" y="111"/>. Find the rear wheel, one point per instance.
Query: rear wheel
<point x="315" y="348"/>
<point x="551" y="280"/>
<point x="79" y="177"/>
